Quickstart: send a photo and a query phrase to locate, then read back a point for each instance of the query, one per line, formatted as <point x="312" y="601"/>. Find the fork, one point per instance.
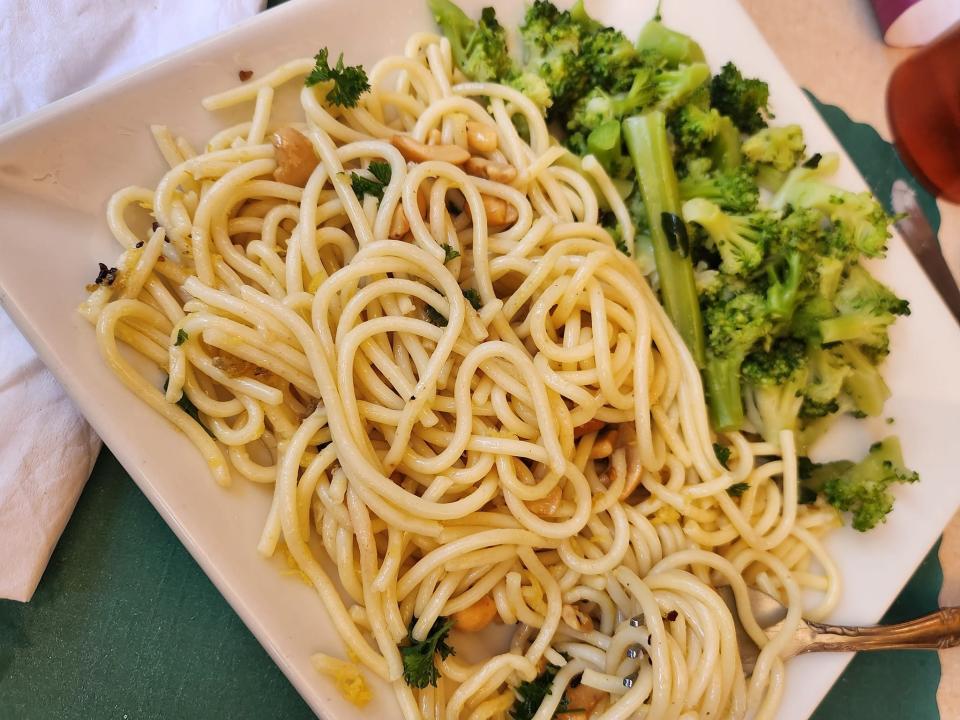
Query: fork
<point x="937" y="631"/>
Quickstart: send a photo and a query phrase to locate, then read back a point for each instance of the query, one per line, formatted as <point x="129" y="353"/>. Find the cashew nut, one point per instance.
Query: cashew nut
<point x="498" y="211"/>
<point x="588" y="427"/>
<point x="418" y="152"/>
<point x="584" y="698"/>
<point x="296" y="159"/>
<point x="481" y="137"/>
<point x="606" y="442"/>
<point x="576" y="619"/>
<point x="490" y="169"/>
<point x="399" y="225"/>
<point x="476" y="617"/>
<point x="548" y="504"/>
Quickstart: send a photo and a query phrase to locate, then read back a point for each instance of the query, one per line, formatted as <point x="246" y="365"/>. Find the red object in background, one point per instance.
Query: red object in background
<point x="923" y="106"/>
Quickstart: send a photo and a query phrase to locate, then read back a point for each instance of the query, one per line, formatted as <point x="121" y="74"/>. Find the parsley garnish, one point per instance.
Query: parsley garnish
<point x="366" y="186"/>
<point x="722" y="452"/>
<point x="181" y="337"/>
<point x="473" y="297"/>
<point x="419" y="665"/>
<point x="434" y="316"/>
<point x="349" y="83"/>
<point x="738" y="489"/>
<point x="530" y="695"/>
<point x="450" y="253"/>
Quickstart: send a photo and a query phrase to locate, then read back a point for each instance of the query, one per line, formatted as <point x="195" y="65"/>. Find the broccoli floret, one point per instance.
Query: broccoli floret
<point x="828" y="370"/>
<point x="724" y="149"/>
<point x="479" y="48"/>
<point x="673" y="87"/>
<point x="604" y="143"/>
<point x="610" y="57"/>
<point x="776" y="365"/>
<point x="864" y="384"/>
<point x="784" y="291"/>
<point x="860" y="222"/>
<point x="675" y="47"/>
<point x="534" y="87"/>
<point x="866" y="309"/>
<point x="811" y="409"/>
<point x="598" y="106"/>
<point x="744" y="100"/>
<point x="774" y="382"/>
<point x="733" y="190"/>
<point x="733" y="326"/>
<point x="692" y="127"/>
<point x="780" y="147"/>
<point x="804" y="230"/>
<point x="740" y="239"/>
<point x="551" y="41"/>
<point x="862" y="489"/>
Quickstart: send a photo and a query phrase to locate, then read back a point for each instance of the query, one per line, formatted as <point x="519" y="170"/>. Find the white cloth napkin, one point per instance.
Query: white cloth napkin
<point x="48" y="49"/>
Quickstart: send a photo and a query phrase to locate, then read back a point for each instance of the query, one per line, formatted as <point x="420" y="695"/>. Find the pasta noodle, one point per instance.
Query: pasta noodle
<point x="465" y="397"/>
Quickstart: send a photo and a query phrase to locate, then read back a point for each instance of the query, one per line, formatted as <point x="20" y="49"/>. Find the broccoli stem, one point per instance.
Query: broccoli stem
<point x="724" y="149"/>
<point x="721" y="378"/>
<point x="646" y="138"/>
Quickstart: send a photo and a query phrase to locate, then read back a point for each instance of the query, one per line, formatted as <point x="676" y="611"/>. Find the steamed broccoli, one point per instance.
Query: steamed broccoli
<point x="733" y="190"/>
<point x="741" y="240"/>
<point x="775" y="380"/>
<point x="743" y="100"/>
<point x="692" y="127"/>
<point x="781" y="147"/>
<point x="479" y="48"/>
<point x="534" y="87"/>
<point x="864" y="384"/>
<point x="862" y="489"/>
<point x="860" y="222"/>
<point x="598" y="106"/>
<point x="673" y="87"/>
<point x="734" y="326"/>
<point x="866" y="309"/>
<point x="551" y="43"/>
<point x="676" y="48"/>
<point x="784" y="288"/>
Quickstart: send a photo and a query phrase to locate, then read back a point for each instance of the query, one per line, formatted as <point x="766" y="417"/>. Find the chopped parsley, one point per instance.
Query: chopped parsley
<point x="722" y="452"/>
<point x="419" y="662"/>
<point x="449" y="253"/>
<point x="738" y="489"/>
<point x="182" y="337"/>
<point x="434" y="316"/>
<point x="473" y="297"/>
<point x="372" y="186"/>
<point x="349" y="82"/>
<point x="530" y="695"/>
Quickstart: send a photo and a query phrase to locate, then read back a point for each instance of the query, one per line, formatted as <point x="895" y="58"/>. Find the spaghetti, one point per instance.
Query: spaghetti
<point x="464" y="395"/>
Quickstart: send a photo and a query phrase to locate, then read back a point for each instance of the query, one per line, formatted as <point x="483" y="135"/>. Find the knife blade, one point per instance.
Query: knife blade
<point x="922" y="241"/>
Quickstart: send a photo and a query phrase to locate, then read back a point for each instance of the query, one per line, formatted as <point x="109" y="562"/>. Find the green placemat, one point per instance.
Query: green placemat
<point x="125" y="625"/>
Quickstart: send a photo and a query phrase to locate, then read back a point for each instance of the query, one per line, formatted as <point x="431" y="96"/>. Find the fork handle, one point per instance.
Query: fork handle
<point x="937" y="631"/>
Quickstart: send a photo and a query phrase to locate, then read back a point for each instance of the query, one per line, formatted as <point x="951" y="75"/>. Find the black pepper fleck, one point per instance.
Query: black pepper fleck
<point x="155" y="226"/>
<point x="139" y="244"/>
<point x="245" y="75"/>
<point x="106" y="276"/>
<point x="672" y="615"/>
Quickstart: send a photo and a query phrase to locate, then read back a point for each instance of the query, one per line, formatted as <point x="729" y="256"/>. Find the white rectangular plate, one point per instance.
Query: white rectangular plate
<point x="59" y="166"/>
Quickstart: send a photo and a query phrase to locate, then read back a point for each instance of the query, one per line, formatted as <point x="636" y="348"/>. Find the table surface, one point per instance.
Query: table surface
<point x="125" y="625"/>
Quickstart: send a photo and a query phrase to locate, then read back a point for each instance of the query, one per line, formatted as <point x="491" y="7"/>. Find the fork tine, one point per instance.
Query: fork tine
<point x="633" y="652"/>
<point x="636" y="620"/>
<point x="629" y="680"/>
